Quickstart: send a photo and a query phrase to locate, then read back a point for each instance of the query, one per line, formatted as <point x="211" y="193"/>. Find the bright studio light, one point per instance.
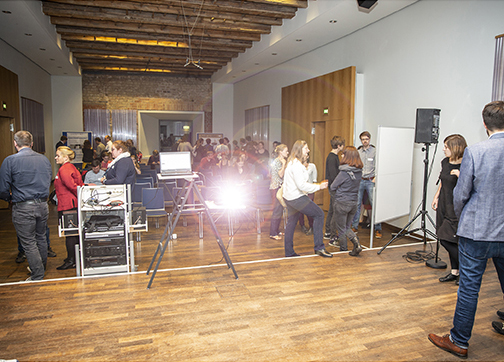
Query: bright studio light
<point x="234" y="196"/>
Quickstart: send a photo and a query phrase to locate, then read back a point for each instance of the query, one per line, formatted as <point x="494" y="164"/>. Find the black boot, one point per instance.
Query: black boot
<point x="69" y="263"/>
<point x="357" y="248"/>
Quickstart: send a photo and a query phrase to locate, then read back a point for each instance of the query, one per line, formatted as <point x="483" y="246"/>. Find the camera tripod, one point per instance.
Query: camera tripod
<point x="437" y="264"/>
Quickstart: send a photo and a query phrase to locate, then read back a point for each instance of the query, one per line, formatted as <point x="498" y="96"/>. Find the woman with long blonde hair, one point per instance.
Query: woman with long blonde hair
<point x="296" y="186"/>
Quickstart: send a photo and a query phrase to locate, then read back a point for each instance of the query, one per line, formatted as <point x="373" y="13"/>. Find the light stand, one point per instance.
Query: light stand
<point x="437" y="264"/>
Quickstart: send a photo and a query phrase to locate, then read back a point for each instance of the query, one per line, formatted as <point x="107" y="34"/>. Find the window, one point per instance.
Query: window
<point x="257" y="124"/>
<point x="498" y="79"/>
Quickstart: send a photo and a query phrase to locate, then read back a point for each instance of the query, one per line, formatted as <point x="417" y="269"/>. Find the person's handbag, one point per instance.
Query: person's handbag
<point x="279" y="196"/>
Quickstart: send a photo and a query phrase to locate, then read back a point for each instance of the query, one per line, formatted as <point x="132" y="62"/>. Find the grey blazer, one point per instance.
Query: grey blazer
<point x="478" y="197"/>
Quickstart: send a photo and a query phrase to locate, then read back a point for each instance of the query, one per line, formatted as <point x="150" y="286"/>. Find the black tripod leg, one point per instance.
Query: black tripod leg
<point x="401" y="233"/>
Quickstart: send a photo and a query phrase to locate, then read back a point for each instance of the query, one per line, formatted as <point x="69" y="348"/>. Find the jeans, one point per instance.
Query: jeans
<point x="473" y="256"/>
<point x="309" y="208"/>
<point x="20" y="248"/>
<point x="310" y="219"/>
<point x="367" y="185"/>
<point x="329" y="226"/>
<point x="343" y="215"/>
<point x="30" y="221"/>
<point x="276" y="216"/>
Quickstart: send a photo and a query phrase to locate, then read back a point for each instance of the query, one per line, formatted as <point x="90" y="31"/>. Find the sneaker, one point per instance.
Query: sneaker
<point x="29" y="279"/>
<point x="378" y="234"/>
<point x="21" y="257"/>
<point x="51" y="253"/>
<point x="334" y="243"/>
<point x="327" y="236"/>
<point x="309" y="232"/>
<point x="305" y="230"/>
<point x="354" y="230"/>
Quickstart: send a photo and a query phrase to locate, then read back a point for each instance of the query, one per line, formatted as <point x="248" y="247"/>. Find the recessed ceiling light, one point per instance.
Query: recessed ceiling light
<point x="333" y="21"/>
<point x="28" y="34"/>
<point x="6" y="12"/>
<point x="299" y="39"/>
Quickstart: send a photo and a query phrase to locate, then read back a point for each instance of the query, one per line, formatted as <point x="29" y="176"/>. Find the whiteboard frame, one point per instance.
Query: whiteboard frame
<point x="394" y="169"/>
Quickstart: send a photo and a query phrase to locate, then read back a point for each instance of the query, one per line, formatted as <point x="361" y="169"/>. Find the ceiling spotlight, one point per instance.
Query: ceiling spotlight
<point x="43" y="49"/>
<point x="6" y="12"/>
<point x="28" y="34"/>
<point x="333" y="21"/>
<point x="366" y="6"/>
<point x="299" y="39"/>
<point x="273" y="53"/>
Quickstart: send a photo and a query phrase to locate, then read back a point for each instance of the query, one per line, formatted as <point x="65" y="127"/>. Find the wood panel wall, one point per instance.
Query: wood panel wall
<point x="9" y="94"/>
<point x="303" y="107"/>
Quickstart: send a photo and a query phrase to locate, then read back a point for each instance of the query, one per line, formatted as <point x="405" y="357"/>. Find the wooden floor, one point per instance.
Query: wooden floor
<point x="369" y="308"/>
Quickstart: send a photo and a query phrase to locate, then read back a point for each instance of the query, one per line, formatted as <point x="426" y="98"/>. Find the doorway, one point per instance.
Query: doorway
<point x="6" y="144"/>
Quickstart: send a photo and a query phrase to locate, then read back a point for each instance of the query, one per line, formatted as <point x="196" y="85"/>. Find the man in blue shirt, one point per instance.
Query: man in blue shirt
<point x="478" y="200"/>
<point x="25" y="178"/>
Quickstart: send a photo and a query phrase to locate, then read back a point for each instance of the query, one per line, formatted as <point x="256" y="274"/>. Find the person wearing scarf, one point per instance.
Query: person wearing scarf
<point x="121" y="170"/>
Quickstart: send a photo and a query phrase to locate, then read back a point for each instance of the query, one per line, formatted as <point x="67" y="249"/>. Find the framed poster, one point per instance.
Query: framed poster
<point x="75" y="141"/>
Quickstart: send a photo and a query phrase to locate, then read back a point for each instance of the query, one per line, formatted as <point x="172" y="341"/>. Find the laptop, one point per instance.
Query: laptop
<point x="175" y="163"/>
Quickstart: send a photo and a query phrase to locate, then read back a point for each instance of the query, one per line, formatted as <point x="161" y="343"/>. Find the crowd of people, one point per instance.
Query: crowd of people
<point x="466" y="202"/>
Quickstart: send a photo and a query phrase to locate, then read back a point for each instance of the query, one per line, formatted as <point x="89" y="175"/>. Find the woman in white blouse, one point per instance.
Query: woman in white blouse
<point x="296" y="186"/>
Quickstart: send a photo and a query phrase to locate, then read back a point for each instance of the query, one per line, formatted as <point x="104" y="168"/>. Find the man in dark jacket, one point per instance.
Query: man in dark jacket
<point x="332" y="170"/>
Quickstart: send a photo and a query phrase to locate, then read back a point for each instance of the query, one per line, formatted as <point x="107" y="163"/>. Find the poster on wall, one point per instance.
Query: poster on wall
<point x="214" y="137"/>
<point x="75" y="141"/>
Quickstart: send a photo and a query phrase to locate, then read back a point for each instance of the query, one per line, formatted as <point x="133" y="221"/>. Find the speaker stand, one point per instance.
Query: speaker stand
<point x="423" y="213"/>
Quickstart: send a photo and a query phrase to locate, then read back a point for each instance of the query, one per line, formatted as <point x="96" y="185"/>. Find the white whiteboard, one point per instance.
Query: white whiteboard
<point x="394" y="167"/>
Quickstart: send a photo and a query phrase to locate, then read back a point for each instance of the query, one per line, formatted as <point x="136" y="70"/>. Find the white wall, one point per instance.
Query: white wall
<point x="432" y="54"/>
<point x="148" y="134"/>
<point x="67" y="107"/>
<point x="222" y="109"/>
<point x="34" y="83"/>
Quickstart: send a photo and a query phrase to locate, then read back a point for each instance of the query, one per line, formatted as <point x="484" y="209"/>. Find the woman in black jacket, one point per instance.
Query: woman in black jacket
<point x="346" y="189"/>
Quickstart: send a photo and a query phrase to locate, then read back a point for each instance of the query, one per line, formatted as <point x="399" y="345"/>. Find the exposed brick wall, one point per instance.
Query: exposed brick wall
<point x="148" y="92"/>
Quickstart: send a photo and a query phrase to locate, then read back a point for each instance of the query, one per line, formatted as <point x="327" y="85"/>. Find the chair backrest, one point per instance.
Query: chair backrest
<point x="263" y="193"/>
<point x="168" y="192"/>
<point x="137" y="191"/>
<point x="145" y="179"/>
<point x="153" y="199"/>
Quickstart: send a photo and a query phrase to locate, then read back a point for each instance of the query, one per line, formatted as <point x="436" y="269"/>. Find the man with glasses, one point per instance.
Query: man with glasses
<point x="367" y="154"/>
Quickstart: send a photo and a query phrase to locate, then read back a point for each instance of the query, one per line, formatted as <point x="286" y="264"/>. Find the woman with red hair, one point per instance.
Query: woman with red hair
<point x="346" y="188"/>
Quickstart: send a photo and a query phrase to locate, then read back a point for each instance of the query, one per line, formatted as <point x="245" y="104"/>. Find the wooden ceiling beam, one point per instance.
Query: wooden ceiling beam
<point x="149" y="49"/>
<point x="113" y="53"/>
<point x="102" y="58"/>
<point x="208" y="11"/>
<point x="205" y="43"/>
<point x="161" y="65"/>
<point x="150" y="28"/>
<point x="115" y="15"/>
<point x="267" y="9"/>
<point x="197" y="73"/>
